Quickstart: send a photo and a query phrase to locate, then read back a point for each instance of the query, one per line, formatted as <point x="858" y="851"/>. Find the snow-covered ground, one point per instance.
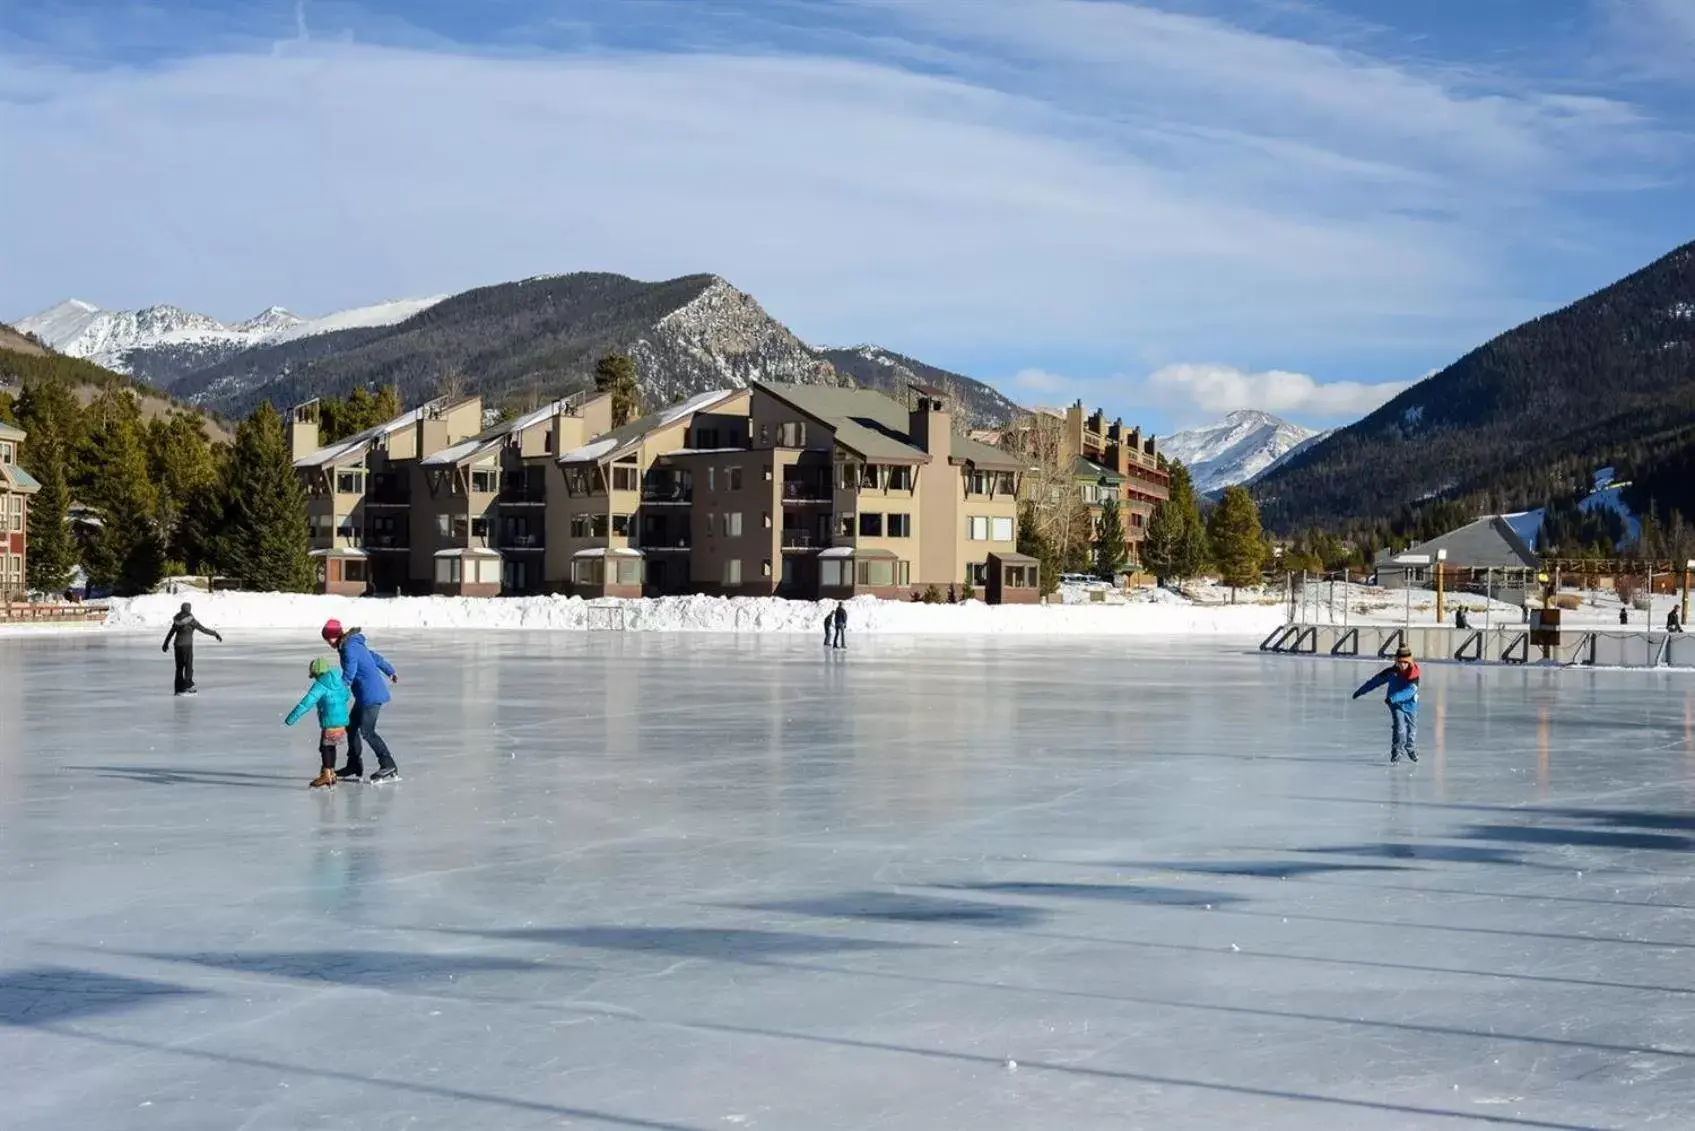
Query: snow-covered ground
<point x="685" y="883"/>
<point x="225" y="610"/>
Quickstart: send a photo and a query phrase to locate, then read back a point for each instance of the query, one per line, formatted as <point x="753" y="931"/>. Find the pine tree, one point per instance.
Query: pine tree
<point x="180" y="461"/>
<point x="385" y="406"/>
<point x="1238" y="548"/>
<point x="1032" y="543"/>
<point x="1162" y="543"/>
<point x="126" y="552"/>
<point x="616" y="374"/>
<point x="8" y="410"/>
<point x="1110" y="547"/>
<point x="265" y="538"/>
<point x="52" y="557"/>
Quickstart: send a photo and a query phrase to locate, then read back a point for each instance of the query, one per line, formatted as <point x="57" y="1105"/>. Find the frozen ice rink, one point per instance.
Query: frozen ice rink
<point x="675" y="882"/>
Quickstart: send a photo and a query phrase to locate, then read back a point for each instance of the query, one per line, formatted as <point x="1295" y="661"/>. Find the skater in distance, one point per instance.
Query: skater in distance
<point x="365" y="672"/>
<point x="1402" y="698"/>
<point x="183" y="628"/>
<point x="333" y="700"/>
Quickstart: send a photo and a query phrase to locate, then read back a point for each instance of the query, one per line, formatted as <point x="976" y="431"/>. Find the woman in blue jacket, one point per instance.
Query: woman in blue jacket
<point x="367" y="674"/>
<point x="1402" y="697"/>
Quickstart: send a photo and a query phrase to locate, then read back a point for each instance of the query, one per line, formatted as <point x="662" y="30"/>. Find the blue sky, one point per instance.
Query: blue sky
<point x="1172" y="208"/>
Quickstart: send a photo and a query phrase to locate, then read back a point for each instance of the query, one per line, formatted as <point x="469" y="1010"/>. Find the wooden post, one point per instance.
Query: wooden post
<point x="1683" y="616"/>
<point x="1441" y="615"/>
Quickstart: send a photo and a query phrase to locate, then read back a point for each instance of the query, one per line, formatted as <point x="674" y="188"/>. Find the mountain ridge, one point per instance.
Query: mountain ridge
<point x="1242" y="446"/>
<point x="1607" y="379"/>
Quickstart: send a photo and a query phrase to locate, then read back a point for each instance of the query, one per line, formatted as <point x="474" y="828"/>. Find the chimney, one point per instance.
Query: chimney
<point x="1120" y="449"/>
<point x="930" y="425"/>
<point x="303" y="430"/>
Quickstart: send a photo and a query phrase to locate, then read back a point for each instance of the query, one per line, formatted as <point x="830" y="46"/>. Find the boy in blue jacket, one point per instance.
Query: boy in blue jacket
<point x="367" y="675"/>
<point x="334" y="702"/>
<point x="1402" y="697"/>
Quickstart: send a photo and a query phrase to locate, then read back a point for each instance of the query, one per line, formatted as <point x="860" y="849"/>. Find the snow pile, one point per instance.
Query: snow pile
<point x="226" y="611"/>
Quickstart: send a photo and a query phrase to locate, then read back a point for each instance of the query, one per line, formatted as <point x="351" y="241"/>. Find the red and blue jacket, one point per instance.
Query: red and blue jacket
<point x="1403" y="689"/>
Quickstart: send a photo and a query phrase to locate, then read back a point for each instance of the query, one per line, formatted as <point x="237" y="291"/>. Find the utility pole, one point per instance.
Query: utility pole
<point x="1441" y="557"/>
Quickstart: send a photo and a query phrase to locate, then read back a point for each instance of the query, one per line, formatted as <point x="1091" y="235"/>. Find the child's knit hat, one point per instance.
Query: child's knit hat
<point x="321" y="666"/>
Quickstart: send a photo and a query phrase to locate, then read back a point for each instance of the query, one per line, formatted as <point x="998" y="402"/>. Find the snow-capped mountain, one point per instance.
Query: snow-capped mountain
<point x="1238" y="448"/>
<point x="110" y="337"/>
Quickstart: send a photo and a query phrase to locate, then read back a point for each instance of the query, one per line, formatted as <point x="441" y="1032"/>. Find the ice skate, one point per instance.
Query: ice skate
<point x="324" y="778"/>
<point x="348" y="773"/>
<point x="1411" y="757"/>
<point x="386" y="774"/>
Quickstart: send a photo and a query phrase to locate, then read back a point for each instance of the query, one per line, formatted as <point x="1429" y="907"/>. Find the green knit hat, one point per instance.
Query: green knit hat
<point x="321" y="666"/>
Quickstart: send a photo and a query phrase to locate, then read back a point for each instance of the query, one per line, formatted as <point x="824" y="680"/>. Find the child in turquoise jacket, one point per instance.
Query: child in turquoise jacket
<point x="335" y="704"/>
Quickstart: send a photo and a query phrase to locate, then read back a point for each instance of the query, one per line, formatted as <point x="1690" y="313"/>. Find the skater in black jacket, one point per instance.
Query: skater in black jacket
<point x="183" y="628"/>
<point x="839" y="618"/>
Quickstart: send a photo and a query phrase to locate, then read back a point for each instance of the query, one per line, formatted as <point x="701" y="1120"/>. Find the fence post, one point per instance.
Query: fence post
<point x="1344" y="598"/>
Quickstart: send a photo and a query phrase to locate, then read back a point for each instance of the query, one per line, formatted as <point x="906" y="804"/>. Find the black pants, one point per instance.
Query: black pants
<point x="841" y="636"/>
<point x="362" y="728"/>
<point x="185" y="670"/>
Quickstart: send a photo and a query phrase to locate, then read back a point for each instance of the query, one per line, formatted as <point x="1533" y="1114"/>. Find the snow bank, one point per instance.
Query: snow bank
<point x="226" y="611"/>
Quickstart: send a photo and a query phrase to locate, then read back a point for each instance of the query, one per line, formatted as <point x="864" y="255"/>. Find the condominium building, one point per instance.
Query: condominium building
<point x="617" y="523"/>
<point x="845" y="491"/>
<point x="484" y="510"/>
<point x="364" y="493"/>
<point x="791" y="489"/>
<point x="1111" y="461"/>
<point x="16" y="486"/>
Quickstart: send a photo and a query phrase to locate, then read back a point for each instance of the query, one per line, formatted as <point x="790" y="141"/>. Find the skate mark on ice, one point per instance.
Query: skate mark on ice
<point x="1581" y="838"/>
<point x="893" y="907"/>
<point x="727" y="944"/>
<point x="1128" y="893"/>
<point x="1436" y="853"/>
<point x="1266" y="870"/>
<point x="357" y="967"/>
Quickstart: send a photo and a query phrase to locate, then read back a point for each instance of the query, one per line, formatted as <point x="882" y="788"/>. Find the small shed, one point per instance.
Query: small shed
<point x="467" y="571"/>
<point x="1013" y="579"/>
<point x="615" y="571"/>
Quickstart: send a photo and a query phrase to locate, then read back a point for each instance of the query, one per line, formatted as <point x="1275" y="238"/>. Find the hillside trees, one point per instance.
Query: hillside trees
<point x="1175" y="545"/>
<point x="1111" y="548"/>
<point x="126" y="551"/>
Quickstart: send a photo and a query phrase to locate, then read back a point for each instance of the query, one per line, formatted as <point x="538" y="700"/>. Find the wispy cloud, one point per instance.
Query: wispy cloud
<point x="1000" y="178"/>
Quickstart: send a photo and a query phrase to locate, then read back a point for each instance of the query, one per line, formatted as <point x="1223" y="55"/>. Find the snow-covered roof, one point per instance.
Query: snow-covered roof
<point x="837" y="552"/>
<point x="338" y="552"/>
<point x="629" y="436"/>
<point x="608" y="552"/>
<point x="360" y="442"/>
<point x="468" y="552"/>
<point x="491" y="439"/>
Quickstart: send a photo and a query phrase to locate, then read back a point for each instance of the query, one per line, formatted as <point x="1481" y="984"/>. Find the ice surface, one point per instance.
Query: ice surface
<point x="698" y="882"/>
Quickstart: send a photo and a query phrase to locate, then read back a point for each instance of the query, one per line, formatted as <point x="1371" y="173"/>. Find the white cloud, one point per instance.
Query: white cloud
<point x="1220" y="389"/>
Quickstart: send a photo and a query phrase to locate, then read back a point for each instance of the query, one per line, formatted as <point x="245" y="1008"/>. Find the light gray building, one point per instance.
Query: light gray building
<point x="1476" y="554"/>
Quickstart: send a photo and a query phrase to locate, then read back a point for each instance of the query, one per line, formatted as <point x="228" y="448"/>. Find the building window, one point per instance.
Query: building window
<point x="832" y="574"/>
<point x="765" y="568"/>
<point x="447" y="571"/>
<point x="597" y="525"/>
<point x="764" y="435"/>
<point x="844" y="526"/>
<point x="628" y="571"/>
<point x="624" y="479"/>
<point x="1007" y="483"/>
<point x="767" y="473"/>
<point x="977" y="482"/>
<point x="735" y="479"/>
<point x="977" y="528"/>
<point x="353" y="569"/>
<point x="712" y="479"/>
<point x="868" y="477"/>
<point x="794" y="434"/>
<point x="621" y="525"/>
<point x="579" y="526"/>
<point x="870" y="526"/>
<point x="444" y="526"/>
<point x="1001" y="530"/>
<point x="733" y="524"/>
<point x="485" y="482"/>
<point x="977" y="573"/>
<point x="733" y="571"/>
<point x="847" y="476"/>
<point x="900" y="478"/>
<point x="706" y="438"/>
<point x="881" y="573"/>
<point x="900" y="526"/>
<point x="350" y="482"/>
<point x="5" y="452"/>
<point x="765" y="517"/>
<point x="479" y="528"/>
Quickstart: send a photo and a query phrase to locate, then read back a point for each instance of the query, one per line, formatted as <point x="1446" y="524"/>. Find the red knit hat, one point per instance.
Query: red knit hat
<point x="332" y="630"/>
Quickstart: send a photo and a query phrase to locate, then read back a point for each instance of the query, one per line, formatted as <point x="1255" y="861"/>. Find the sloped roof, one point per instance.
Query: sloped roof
<point x="864" y="420"/>
<point x="8" y="432"/>
<point x="17" y="479"/>
<point x="491" y="439"/>
<point x="1085" y="468"/>
<point x="1488" y="542"/>
<point x="611" y="445"/>
<point x="356" y="445"/>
